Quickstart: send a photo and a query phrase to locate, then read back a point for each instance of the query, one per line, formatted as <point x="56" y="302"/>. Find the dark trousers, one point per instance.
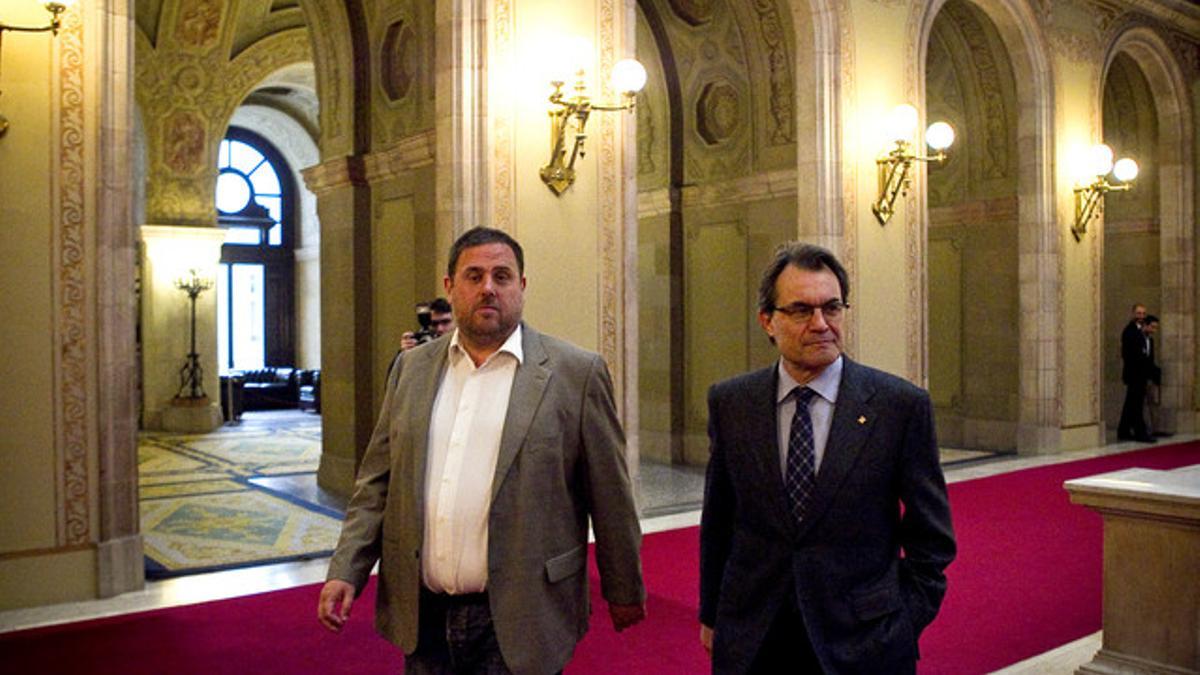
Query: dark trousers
<point x="455" y="637"/>
<point x="1132" y="424"/>
<point x="786" y="648"/>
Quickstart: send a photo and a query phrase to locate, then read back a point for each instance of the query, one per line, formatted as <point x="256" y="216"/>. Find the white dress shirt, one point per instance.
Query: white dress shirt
<point x="464" y="441"/>
<point x="820" y="408"/>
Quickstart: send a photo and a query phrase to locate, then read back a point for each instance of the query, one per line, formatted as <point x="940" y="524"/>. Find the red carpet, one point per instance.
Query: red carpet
<point x="1027" y="580"/>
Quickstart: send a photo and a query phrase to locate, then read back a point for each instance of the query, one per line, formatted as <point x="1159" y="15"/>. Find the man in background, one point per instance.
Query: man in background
<point x="1135" y="373"/>
<point x="1154" y="380"/>
<point x="441" y="321"/>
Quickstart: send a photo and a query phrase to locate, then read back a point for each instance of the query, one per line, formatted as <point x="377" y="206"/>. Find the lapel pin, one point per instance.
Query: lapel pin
<point x="862" y="419"/>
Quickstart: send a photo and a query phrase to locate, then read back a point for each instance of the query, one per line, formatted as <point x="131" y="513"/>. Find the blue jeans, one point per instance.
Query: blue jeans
<point x="455" y="637"/>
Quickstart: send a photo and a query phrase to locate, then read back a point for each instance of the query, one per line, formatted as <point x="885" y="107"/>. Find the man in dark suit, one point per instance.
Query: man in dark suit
<point x="495" y="445"/>
<point x="1136" y="371"/>
<point x="826" y="524"/>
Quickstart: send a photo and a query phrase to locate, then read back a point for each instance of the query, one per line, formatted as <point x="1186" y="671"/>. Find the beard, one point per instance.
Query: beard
<point x="490" y="331"/>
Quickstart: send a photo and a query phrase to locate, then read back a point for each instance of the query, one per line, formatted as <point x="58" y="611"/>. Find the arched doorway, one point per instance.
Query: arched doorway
<point x="1149" y="239"/>
<point x="1037" y="323"/>
<point x="973" y="233"/>
<point x="1132" y="234"/>
<point x="720" y="133"/>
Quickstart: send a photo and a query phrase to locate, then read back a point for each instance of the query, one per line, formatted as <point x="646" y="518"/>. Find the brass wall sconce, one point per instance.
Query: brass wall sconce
<point x="894" y="178"/>
<point x="628" y="77"/>
<point x="1088" y="198"/>
<point x="56" y="9"/>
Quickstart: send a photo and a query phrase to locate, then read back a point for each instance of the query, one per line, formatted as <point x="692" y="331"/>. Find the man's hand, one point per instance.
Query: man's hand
<point x="407" y="341"/>
<point x="706" y="633"/>
<point x="333" y="608"/>
<point x="624" y="616"/>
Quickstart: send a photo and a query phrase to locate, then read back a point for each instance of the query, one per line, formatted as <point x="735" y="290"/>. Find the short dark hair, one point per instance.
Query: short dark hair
<point x="440" y="305"/>
<point x="1150" y="318"/>
<point x="478" y="236"/>
<point x="806" y="257"/>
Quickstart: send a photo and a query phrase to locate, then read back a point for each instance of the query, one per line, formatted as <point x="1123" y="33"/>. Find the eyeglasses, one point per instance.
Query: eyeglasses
<point x="799" y="311"/>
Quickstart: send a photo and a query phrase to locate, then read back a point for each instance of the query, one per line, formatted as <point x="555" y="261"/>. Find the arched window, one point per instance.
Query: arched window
<point x="255" y="293"/>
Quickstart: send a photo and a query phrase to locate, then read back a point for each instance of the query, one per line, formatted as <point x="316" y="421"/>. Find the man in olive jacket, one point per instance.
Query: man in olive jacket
<point x="494" y="447"/>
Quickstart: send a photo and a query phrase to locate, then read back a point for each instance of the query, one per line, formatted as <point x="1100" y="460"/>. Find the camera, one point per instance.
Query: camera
<point x="424" y="317"/>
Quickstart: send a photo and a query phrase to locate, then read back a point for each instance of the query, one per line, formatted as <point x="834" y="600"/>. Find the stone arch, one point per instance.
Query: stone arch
<point x="971" y="246"/>
<point x="1040" y="411"/>
<point x="1176" y="198"/>
<point x="720" y="134"/>
<point x="339" y="39"/>
<point x="299" y="150"/>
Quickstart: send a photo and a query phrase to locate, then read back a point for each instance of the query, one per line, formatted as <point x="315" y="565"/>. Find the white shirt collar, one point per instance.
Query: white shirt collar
<point x="511" y="346"/>
<point x="826" y="384"/>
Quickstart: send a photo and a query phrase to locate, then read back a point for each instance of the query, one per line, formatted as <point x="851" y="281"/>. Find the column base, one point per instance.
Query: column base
<point x="1109" y="662"/>
<point x="192" y="415"/>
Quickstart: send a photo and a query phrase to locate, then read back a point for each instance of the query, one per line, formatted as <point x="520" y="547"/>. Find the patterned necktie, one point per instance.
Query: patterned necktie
<point x="801" y="477"/>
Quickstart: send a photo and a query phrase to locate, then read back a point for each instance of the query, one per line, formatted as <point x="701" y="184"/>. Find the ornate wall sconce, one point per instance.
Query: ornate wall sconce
<point x="628" y="77"/>
<point x="1089" y="198"/>
<point x="191" y="375"/>
<point x="56" y="9"/>
<point x="894" y="178"/>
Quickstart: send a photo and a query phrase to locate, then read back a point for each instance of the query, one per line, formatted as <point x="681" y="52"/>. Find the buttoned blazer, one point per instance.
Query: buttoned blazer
<point x="561" y="460"/>
<point x="1137" y="366"/>
<point x="863" y="605"/>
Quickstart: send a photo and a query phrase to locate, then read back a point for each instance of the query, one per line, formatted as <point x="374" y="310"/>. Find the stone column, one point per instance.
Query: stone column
<point x="347" y="403"/>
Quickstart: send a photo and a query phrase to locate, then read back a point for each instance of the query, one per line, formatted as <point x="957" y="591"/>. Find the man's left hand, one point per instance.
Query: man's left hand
<point x="624" y="616"/>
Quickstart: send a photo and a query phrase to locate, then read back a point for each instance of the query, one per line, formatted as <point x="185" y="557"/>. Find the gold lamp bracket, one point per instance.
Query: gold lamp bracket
<point x="1089" y="203"/>
<point x="56" y="9"/>
<point x="895" y="179"/>
<point x="559" y="173"/>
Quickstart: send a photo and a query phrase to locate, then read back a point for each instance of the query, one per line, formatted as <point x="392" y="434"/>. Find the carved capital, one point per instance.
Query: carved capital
<point x="334" y="174"/>
<point x="409" y="153"/>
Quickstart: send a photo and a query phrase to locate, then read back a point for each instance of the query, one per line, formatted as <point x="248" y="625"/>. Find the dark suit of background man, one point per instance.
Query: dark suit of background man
<point x="493" y="448"/>
<point x="1136" y="365"/>
<point x="804" y="573"/>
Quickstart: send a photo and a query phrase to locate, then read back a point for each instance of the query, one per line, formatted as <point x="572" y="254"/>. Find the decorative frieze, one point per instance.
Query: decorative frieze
<point x="73" y="323"/>
<point x="198" y="23"/>
<point x="779" y="64"/>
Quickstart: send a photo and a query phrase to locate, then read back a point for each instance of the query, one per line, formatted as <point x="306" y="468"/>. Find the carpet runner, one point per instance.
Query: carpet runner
<point x="1027" y="580"/>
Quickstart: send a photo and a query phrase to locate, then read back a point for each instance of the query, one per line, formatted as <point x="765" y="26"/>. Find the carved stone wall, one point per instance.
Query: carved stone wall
<point x="734" y="64"/>
<point x="187" y="91"/>
<point x="403" y="88"/>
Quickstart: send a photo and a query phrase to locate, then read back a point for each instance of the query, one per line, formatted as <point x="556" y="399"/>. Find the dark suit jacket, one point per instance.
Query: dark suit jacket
<point x="1136" y="365"/>
<point x="561" y="460"/>
<point x="863" y="604"/>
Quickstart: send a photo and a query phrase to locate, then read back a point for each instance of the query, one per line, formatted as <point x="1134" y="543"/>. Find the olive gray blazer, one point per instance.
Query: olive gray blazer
<point x="863" y="604"/>
<point x="561" y="461"/>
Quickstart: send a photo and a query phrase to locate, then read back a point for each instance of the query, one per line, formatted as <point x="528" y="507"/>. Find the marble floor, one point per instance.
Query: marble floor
<point x="670" y="499"/>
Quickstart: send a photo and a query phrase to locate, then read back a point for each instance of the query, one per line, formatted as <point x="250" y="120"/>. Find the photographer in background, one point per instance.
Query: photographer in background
<point x="435" y="319"/>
